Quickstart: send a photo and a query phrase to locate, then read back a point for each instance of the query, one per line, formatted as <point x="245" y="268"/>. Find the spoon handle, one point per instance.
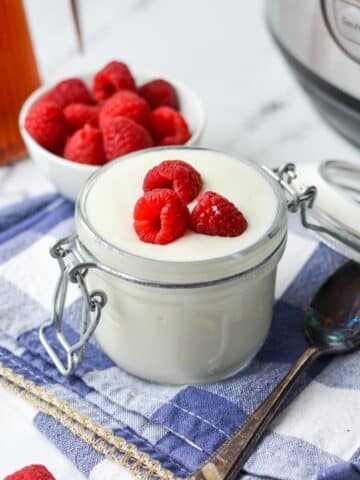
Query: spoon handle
<point x="228" y="461"/>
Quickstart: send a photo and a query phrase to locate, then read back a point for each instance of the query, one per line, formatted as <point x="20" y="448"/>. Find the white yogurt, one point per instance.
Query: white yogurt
<point x="111" y="202"/>
<point x="188" y="333"/>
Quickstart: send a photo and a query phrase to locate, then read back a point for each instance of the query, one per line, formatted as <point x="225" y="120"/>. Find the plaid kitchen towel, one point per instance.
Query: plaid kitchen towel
<point x="102" y="413"/>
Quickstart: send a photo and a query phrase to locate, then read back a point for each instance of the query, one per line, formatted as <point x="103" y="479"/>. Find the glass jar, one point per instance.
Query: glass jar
<point x="180" y="322"/>
<point x="165" y="321"/>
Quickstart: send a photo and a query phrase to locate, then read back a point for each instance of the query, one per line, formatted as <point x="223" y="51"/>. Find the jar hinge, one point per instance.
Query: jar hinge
<point x="72" y="270"/>
<point x="303" y="200"/>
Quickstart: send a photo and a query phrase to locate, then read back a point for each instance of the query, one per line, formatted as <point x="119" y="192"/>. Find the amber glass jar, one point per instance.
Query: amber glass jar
<point x="19" y="76"/>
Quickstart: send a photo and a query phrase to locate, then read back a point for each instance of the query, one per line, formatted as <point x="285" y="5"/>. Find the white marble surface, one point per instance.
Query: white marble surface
<point x="223" y="51"/>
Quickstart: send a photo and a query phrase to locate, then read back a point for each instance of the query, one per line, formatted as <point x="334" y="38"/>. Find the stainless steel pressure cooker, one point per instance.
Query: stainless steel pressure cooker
<point x="320" y="40"/>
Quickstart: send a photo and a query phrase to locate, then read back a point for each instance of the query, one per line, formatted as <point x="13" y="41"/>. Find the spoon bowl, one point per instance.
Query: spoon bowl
<point x="332" y="321"/>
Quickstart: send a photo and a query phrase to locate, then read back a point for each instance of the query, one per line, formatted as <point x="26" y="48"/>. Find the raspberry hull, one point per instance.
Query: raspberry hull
<point x="125" y="104"/>
<point x="46" y="124"/>
<point x="86" y="146"/>
<point x="31" y="472"/>
<point x="159" y="93"/>
<point x="160" y="217"/>
<point x="72" y="90"/>
<point x="168" y="127"/>
<point x="215" y="215"/>
<point x="113" y="77"/>
<point x="177" y="175"/>
<point x="78" y="114"/>
<point x="122" y="135"/>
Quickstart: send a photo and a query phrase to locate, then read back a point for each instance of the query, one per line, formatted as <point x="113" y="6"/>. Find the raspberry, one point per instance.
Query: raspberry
<point x="72" y="90"/>
<point x="31" y="472"/>
<point x="113" y="77"/>
<point x="122" y="135"/>
<point x="160" y="216"/>
<point x="86" y="146"/>
<point x="77" y="114"/>
<point x="176" y="175"/>
<point x="215" y="215"/>
<point x="46" y="124"/>
<point x="159" y="93"/>
<point x="168" y="127"/>
<point x="125" y="104"/>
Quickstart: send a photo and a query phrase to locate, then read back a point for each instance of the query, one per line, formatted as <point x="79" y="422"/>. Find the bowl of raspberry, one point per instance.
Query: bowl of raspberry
<point x="77" y="125"/>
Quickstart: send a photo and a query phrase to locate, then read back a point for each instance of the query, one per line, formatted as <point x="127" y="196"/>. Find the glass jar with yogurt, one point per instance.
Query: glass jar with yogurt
<point x="193" y="311"/>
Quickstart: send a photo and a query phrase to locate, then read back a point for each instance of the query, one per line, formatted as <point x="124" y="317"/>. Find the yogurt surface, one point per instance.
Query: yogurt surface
<point x="112" y="197"/>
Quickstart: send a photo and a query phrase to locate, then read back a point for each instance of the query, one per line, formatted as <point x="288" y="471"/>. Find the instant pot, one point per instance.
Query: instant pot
<point x="320" y="40"/>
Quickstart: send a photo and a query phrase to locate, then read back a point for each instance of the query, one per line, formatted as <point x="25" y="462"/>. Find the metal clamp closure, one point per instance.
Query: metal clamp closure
<point x="302" y="200"/>
<point x="72" y="270"/>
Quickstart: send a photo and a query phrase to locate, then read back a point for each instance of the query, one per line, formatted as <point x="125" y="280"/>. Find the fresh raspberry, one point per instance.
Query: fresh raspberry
<point x="122" y="135"/>
<point x="125" y="104"/>
<point x="86" y="146"/>
<point x="31" y="472"/>
<point x="160" y="216"/>
<point x="77" y="114"/>
<point x="176" y="175"/>
<point x="72" y="90"/>
<point x="159" y="93"/>
<point x="46" y="124"/>
<point x="113" y="77"/>
<point x="215" y="215"/>
<point x="168" y="127"/>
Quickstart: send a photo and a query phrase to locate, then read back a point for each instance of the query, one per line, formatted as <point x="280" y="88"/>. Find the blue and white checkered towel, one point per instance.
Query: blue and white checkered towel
<point x="317" y="435"/>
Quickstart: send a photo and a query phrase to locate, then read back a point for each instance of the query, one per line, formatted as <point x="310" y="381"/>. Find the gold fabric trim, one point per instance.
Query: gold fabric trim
<point x="102" y="440"/>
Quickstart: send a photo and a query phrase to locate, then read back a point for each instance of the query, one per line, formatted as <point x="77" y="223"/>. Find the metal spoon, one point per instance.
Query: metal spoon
<point x="332" y="326"/>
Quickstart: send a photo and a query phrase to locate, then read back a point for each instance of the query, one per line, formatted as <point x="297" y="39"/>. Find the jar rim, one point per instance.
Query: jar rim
<point x="172" y="285"/>
<point x="276" y="229"/>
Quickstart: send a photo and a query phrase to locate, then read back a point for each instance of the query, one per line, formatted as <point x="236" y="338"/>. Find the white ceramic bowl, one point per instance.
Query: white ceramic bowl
<point x="68" y="177"/>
